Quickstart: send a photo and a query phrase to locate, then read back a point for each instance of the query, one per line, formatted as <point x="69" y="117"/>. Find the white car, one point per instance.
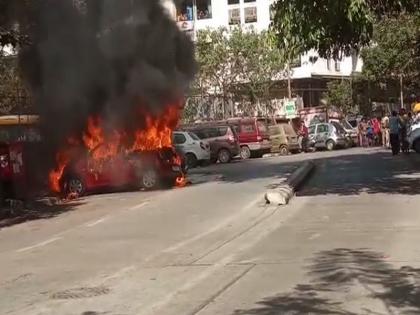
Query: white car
<point x="195" y="150"/>
<point x="414" y="137"/>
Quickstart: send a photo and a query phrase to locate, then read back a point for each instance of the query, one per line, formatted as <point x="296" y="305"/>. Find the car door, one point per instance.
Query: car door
<point x="321" y="135"/>
<point x="180" y="142"/>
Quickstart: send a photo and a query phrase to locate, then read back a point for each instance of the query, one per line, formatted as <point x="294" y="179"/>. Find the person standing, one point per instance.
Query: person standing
<point x="385" y="131"/>
<point x="362" y="132"/>
<point x="377" y="130"/>
<point x="394" y="133"/>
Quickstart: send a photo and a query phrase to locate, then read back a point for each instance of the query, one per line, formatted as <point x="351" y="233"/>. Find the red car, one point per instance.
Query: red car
<point x="142" y="169"/>
<point x="253" y="135"/>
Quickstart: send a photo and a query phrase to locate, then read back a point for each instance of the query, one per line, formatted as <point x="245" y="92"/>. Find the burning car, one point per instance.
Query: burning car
<point x="140" y="169"/>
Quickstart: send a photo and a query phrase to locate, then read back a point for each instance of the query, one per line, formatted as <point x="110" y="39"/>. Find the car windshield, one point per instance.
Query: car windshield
<point x="346" y="124"/>
<point x="193" y="136"/>
<point x="262" y="127"/>
<point x="288" y="129"/>
<point x="338" y="127"/>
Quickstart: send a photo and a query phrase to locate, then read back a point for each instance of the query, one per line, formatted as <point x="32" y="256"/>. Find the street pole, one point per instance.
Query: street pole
<point x="289" y="82"/>
<point x="401" y="91"/>
<point x="194" y="19"/>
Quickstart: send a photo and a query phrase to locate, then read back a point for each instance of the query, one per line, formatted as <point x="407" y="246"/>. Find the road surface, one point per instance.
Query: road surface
<point x="345" y="245"/>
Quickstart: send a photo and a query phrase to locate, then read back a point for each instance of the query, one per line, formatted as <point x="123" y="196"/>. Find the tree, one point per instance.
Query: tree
<point x="340" y="95"/>
<point x="331" y="27"/>
<point x="395" y="54"/>
<point x="14" y="97"/>
<point x="236" y="64"/>
<point x="259" y="62"/>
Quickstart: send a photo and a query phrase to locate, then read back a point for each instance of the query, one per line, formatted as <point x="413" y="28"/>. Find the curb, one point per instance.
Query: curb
<point x="282" y="194"/>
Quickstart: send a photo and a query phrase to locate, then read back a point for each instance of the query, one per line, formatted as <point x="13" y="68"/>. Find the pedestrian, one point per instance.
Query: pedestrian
<point x="377" y="130"/>
<point x="385" y="131"/>
<point x="370" y="134"/>
<point x="303" y="137"/>
<point x="362" y="128"/>
<point x="394" y="133"/>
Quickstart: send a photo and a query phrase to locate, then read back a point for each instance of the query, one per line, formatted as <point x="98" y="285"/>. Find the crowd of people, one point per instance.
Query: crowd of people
<point x="389" y="131"/>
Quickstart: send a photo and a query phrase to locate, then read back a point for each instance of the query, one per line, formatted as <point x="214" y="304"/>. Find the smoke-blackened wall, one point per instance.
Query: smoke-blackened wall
<point x="108" y="58"/>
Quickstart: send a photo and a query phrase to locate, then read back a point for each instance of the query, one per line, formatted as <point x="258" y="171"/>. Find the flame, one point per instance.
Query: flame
<point x="156" y="133"/>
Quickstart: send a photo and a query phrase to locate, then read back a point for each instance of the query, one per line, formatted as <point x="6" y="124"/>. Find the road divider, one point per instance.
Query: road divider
<point x="282" y="194"/>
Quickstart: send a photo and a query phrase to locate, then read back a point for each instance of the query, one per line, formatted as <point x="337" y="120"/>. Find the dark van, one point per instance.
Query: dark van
<point x="224" y="143"/>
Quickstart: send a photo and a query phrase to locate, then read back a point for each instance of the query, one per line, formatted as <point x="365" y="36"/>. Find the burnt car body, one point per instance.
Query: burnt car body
<point x="139" y="169"/>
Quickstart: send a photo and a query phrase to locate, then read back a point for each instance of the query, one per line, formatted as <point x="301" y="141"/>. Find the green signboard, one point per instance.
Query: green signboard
<point x="290" y="109"/>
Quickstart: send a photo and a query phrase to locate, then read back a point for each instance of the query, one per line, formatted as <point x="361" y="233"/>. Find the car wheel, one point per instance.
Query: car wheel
<point x="191" y="160"/>
<point x="75" y="186"/>
<point x="150" y="179"/>
<point x="284" y="150"/>
<point x="330" y="145"/>
<point x="416" y="146"/>
<point x="245" y="153"/>
<point x="224" y="156"/>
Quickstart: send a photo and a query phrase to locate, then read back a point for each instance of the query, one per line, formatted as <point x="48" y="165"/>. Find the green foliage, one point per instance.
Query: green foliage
<point x="340" y="95"/>
<point x="332" y="27"/>
<point x="13" y="94"/>
<point x="236" y="63"/>
<point x="396" y="50"/>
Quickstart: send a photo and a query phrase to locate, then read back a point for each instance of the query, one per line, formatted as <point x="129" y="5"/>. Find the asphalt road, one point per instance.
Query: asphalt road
<point x="345" y="245"/>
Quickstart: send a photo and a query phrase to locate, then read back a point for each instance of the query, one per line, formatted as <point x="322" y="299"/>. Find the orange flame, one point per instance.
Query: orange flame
<point x="156" y="134"/>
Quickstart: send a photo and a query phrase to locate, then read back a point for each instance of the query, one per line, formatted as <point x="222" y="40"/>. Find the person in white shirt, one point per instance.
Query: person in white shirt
<point x="385" y="131"/>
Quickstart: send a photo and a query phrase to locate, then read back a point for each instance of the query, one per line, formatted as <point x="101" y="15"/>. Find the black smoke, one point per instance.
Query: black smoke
<point x="106" y="58"/>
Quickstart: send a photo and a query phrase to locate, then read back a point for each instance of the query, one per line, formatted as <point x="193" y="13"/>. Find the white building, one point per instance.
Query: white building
<point x="311" y="73"/>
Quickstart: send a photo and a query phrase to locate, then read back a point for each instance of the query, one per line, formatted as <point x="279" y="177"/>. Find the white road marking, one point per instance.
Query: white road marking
<point x="120" y="273"/>
<point x="51" y="240"/>
<point x="92" y="224"/>
<point x="140" y="205"/>
<point x="314" y="236"/>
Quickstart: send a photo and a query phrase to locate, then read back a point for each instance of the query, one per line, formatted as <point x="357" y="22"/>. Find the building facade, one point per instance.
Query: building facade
<point x="311" y="74"/>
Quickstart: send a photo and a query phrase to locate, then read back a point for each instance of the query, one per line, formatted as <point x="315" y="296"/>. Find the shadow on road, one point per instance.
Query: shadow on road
<point x="34" y="211"/>
<point x="342" y="276"/>
<point x="345" y="172"/>
<point x="378" y="172"/>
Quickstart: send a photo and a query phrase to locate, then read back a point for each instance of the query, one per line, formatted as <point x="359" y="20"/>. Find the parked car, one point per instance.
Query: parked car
<point x="253" y="134"/>
<point x="414" y="137"/>
<point x="283" y="139"/>
<point x="326" y="135"/>
<point x="351" y="132"/>
<point x="223" y="141"/>
<point x="195" y="150"/>
<point x="145" y="169"/>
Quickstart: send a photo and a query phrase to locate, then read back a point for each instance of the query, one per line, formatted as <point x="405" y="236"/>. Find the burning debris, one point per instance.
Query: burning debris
<point x="107" y="76"/>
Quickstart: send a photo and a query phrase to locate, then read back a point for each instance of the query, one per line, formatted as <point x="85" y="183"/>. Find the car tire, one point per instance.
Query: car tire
<point x="73" y="185"/>
<point x="245" y="153"/>
<point x="149" y="179"/>
<point x="224" y="156"/>
<point x="330" y="145"/>
<point x="284" y="150"/>
<point x="191" y="160"/>
<point x="416" y="146"/>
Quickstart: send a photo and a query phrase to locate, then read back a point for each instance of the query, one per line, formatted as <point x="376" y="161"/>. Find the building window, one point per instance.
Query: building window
<point x="204" y="9"/>
<point x="233" y="2"/>
<point x="185" y="11"/>
<point x="250" y="14"/>
<point x="234" y="16"/>
<point x="329" y="64"/>
<point x="337" y="65"/>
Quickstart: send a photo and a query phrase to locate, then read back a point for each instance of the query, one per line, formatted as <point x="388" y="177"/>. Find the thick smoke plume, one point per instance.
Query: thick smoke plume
<point x="115" y="59"/>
